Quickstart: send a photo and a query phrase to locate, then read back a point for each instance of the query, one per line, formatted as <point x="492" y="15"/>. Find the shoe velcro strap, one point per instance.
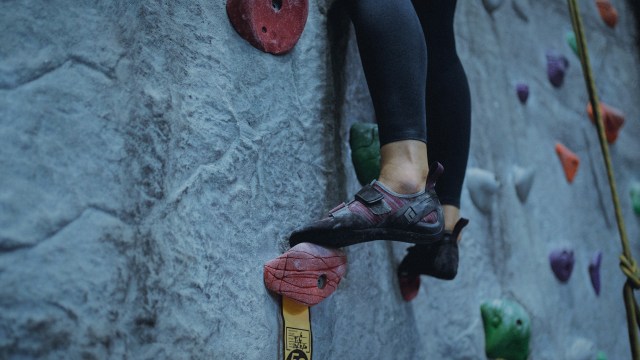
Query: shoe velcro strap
<point x="369" y="195"/>
<point x="373" y="199"/>
<point x="414" y="213"/>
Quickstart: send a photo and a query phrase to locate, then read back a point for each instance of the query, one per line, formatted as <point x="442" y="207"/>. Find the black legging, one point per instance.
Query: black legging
<point x="393" y="37"/>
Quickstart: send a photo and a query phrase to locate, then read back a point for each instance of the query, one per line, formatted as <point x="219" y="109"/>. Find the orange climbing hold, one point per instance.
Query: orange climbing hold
<point x="607" y="12"/>
<point x="569" y="160"/>
<point x="612" y="118"/>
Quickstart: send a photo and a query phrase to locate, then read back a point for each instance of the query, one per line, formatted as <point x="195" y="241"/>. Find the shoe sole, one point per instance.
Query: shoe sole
<point x="342" y="238"/>
<point x="307" y="273"/>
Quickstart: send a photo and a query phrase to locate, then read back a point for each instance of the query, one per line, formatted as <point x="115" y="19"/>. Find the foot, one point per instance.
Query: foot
<point x="378" y="213"/>
<point x="439" y="260"/>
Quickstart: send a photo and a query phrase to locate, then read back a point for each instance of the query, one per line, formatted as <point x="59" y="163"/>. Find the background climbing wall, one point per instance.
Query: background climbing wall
<point x="152" y="161"/>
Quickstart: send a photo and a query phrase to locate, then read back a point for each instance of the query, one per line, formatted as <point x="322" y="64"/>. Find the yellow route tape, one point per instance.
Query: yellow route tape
<point x="296" y="321"/>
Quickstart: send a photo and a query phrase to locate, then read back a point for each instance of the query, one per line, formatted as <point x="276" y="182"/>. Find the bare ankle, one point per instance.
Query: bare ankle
<point x="403" y="185"/>
<point x="403" y="166"/>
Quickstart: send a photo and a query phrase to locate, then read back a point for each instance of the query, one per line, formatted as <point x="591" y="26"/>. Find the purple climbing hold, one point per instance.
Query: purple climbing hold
<point x="594" y="271"/>
<point x="523" y="92"/>
<point x="562" y="263"/>
<point x="557" y="66"/>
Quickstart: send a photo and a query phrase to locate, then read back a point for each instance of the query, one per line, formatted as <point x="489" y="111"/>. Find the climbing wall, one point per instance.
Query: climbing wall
<point x="153" y="160"/>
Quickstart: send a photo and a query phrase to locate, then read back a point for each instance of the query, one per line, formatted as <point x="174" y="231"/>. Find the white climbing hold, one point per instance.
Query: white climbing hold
<point x="482" y="185"/>
<point x="523" y="179"/>
<point x="492" y="5"/>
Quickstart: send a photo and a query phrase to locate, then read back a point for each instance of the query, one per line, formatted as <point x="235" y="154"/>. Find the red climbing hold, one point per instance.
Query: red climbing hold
<point x="612" y="118"/>
<point x="307" y="273"/>
<point x="607" y="12"/>
<point x="409" y="286"/>
<point x="273" y="26"/>
<point x="569" y="160"/>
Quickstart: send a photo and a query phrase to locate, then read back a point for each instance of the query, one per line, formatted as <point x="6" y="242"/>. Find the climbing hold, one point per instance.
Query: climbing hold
<point x="569" y="161"/>
<point x="601" y="356"/>
<point x="594" y="271"/>
<point x="492" y="5"/>
<point x="523" y="179"/>
<point x="562" y="263"/>
<point x="507" y="330"/>
<point x="520" y="8"/>
<point x="307" y="273"/>
<point x="612" y="118"/>
<point x="273" y="26"/>
<point x="523" y="92"/>
<point x="482" y="185"/>
<point x="365" y="151"/>
<point x="607" y="12"/>
<point x="557" y="66"/>
<point x="571" y="40"/>
<point x="409" y="285"/>
<point x="635" y="197"/>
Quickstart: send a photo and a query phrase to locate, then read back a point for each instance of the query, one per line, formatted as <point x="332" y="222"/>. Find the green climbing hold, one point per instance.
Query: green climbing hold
<point x="601" y="356"/>
<point x="571" y="40"/>
<point x="507" y="330"/>
<point x="365" y="151"/>
<point x="635" y="197"/>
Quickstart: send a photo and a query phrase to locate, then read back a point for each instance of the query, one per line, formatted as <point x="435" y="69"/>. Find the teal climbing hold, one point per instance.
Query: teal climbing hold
<point x="601" y="356"/>
<point x="521" y="8"/>
<point x="523" y="179"/>
<point x="365" y="151"/>
<point x="635" y="197"/>
<point x="571" y="40"/>
<point x="492" y="5"/>
<point x="507" y="330"/>
<point x="482" y="185"/>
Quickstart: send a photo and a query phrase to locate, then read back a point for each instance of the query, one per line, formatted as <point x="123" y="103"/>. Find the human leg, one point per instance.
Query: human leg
<point x="448" y="103"/>
<point x="393" y="54"/>
<point x="448" y="109"/>
<point x="402" y="204"/>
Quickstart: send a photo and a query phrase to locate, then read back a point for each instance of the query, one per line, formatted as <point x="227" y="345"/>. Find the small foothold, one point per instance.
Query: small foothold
<point x="520" y="8"/>
<point x="523" y="179"/>
<point x="601" y="356"/>
<point x="409" y="286"/>
<point x="607" y="12"/>
<point x="365" y="151"/>
<point x="307" y="273"/>
<point x="562" y="264"/>
<point x="523" y="92"/>
<point x="635" y="197"/>
<point x="557" y="66"/>
<point x="507" y="330"/>
<point x="482" y="185"/>
<point x="573" y="44"/>
<point x="273" y="26"/>
<point x="594" y="271"/>
<point x="492" y="5"/>
<point x="612" y="118"/>
<point x="569" y="161"/>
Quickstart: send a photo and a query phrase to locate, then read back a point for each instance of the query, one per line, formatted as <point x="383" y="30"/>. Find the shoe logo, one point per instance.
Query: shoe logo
<point x="410" y="214"/>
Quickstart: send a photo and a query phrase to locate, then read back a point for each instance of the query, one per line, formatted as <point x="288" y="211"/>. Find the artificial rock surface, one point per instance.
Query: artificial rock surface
<point x="152" y="161"/>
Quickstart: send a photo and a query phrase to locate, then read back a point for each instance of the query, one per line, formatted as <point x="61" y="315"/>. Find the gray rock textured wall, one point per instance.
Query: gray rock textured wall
<point x="152" y="161"/>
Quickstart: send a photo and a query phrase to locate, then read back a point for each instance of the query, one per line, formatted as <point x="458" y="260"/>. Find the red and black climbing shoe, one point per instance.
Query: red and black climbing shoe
<point x="377" y="213"/>
<point x="307" y="273"/>
<point x="439" y="260"/>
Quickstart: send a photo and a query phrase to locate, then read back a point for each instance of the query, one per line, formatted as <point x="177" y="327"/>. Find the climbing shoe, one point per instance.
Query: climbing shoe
<point x="377" y="213"/>
<point x="439" y="260"/>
